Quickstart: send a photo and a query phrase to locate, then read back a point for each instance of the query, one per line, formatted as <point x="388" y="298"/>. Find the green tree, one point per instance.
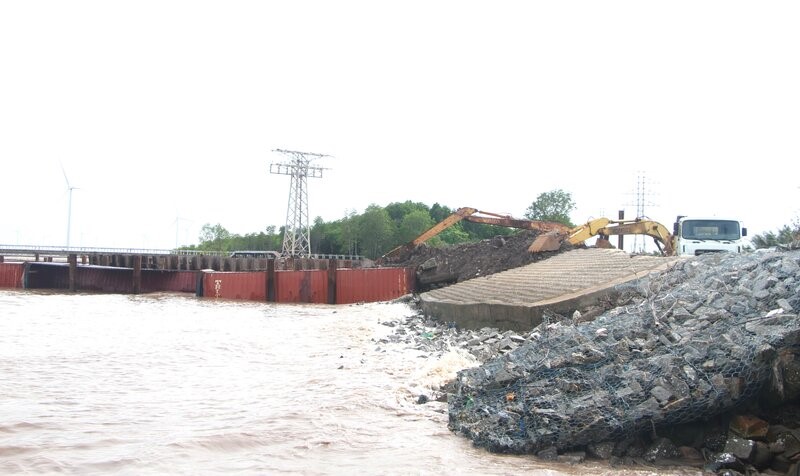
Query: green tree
<point x="375" y="231"/>
<point x="348" y="236"/>
<point x="784" y="236"/>
<point x="439" y="213"/>
<point x="451" y="236"/>
<point x="322" y="237"/>
<point x="214" y="237"/>
<point x="555" y="205"/>
<point x="412" y="225"/>
<point x="397" y="210"/>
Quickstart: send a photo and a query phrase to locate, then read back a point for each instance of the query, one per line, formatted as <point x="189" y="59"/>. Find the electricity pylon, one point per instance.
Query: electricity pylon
<point x="297" y="233"/>
<point x="641" y="202"/>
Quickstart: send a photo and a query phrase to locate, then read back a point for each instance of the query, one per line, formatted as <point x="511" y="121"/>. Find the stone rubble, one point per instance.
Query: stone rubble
<point x="698" y="365"/>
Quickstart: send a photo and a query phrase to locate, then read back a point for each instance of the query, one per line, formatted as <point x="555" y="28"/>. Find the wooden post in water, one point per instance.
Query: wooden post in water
<point x="332" y="281"/>
<point x="72" y="259"/>
<point x="137" y="274"/>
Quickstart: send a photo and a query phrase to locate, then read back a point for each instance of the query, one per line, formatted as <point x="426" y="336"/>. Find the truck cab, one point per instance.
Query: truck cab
<point x="694" y="236"/>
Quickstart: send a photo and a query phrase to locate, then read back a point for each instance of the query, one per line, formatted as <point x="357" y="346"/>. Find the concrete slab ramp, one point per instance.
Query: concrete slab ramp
<point x="516" y="299"/>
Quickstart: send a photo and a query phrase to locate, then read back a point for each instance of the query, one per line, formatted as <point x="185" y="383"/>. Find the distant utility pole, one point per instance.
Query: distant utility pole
<point x="641" y="202"/>
<point x="297" y="234"/>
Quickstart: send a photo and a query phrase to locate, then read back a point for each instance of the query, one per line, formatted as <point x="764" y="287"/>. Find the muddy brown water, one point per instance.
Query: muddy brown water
<point x="173" y="384"/>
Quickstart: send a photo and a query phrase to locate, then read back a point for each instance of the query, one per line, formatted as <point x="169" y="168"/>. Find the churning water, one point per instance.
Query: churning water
<point x="173" y="384"/>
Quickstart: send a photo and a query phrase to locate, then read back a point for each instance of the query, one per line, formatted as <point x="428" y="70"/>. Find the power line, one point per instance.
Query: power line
<point x="297" y="233"/>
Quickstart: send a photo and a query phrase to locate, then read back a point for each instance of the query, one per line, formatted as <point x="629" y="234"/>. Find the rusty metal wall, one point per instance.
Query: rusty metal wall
<point x="373" y="284"/>
<point x="309" y="286"/>
<point x="250" y="286"/>
<point x="11" y="275"/>
<point x="169" y="281"/>
<point x="47" y="276"/>
<point x="88" y="278"/>
<point x="105" y="280"/>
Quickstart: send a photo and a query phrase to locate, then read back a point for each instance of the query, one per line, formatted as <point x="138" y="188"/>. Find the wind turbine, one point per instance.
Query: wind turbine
<point x="70" y="188"/>
<point x="177" y="223"/>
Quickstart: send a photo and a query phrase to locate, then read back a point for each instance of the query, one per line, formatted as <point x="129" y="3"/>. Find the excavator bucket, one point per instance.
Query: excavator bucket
<point x="546" y="242"/>
<point x="603" y="243"/>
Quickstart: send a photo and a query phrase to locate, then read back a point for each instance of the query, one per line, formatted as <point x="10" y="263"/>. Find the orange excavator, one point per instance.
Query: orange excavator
<point x="552" y="237"/>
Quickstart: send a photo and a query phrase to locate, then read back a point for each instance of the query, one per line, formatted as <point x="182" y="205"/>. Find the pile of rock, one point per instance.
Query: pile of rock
<point x="435" y="338"/>
<point x="712" y="335"/>
<point x="711" y="339"/>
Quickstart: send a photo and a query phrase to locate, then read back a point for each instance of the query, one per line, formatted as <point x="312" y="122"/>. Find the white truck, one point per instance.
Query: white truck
<point x="697" y="235"/>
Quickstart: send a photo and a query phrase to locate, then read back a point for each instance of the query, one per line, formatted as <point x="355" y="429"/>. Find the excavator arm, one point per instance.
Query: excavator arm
<point x="501" y="220"/>
<point x="449" y="221"/>
<point x="476" y="216"/>
<point x="603" y="228"/>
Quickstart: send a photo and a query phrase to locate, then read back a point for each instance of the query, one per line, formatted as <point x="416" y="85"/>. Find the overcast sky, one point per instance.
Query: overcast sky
<point x="165" y="114"/>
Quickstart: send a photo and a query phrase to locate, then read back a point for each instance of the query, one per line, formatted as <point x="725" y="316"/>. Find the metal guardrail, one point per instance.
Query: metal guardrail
<point x="64" y="250"/>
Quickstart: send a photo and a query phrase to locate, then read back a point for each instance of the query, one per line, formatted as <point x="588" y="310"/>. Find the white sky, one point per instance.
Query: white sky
<point x="165" y="114"/>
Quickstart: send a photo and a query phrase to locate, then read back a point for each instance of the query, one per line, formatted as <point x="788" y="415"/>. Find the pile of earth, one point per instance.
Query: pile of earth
<point x="439" y="266"/>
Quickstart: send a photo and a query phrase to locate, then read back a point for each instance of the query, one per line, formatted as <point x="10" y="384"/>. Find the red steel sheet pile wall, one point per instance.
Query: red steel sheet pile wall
<point x="234" y="285"/>
<point x="309" y="286"/>
<point x="56" y="276"/>
<point x="107" y="280"/>
<point x="47" y="276"/>
<point x="373" y="284"/>
<point x="301" y="286"/>
<point x="11" y="275"/>
<point x="169" y="281"/>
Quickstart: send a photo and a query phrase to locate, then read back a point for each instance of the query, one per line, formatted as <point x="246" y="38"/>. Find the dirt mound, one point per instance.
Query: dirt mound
<point x="439" y="266"/>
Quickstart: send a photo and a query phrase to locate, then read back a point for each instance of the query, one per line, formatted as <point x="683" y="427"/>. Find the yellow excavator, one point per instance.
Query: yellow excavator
<point x="691" y="236"/>
<point x="605" y="227"/>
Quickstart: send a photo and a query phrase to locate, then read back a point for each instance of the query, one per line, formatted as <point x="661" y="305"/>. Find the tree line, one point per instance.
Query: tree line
<point x="379" y="229"/>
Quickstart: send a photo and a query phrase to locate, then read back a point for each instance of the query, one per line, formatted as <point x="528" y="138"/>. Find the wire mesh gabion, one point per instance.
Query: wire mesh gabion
<point x="683" y="345"/>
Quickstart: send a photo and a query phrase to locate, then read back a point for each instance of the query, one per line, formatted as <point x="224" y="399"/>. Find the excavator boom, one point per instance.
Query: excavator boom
<point x="603" y="228"/>
<point x="544" y="226"/>
<point x="477" y="216"/>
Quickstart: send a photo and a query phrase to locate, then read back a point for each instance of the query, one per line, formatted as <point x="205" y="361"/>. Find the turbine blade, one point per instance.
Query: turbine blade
<point x="65" y="175"/>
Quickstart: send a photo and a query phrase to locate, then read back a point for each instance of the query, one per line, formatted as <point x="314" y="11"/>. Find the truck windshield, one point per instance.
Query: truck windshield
<point x="710" y="230"/>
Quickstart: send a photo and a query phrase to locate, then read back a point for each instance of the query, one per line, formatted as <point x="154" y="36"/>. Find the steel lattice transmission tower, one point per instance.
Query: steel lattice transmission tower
<point x="641" y="193"/>
<point x="297" y="234"/>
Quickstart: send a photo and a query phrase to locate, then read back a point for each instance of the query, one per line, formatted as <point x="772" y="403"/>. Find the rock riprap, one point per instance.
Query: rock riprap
<point x="703" y="338"/>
